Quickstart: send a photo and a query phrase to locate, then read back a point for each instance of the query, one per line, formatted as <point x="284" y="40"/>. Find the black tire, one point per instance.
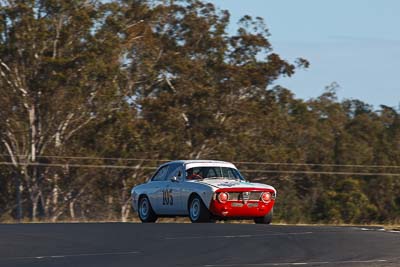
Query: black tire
<point x="198" y="212"/>
<point x="267" y="219"/>
<point x="145" y="211"/>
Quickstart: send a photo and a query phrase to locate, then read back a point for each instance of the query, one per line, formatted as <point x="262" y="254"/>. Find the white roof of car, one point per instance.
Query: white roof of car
<point x="203" y="163"/>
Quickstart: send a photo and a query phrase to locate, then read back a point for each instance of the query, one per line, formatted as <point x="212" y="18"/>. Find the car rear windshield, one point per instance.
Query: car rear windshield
<point x="213" y="172"/>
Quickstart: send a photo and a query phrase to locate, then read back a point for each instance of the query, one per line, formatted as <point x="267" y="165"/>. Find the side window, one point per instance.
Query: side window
<point x="178" y="173"/>
<point x="173" y="171"/>
<point x="161" y="174"/>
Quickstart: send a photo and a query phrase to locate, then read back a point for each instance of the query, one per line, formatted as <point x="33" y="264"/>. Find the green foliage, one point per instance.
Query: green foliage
<point x="164" y="80"/>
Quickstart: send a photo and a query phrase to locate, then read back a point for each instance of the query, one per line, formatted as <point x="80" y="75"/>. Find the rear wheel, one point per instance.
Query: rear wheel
<point x="146" y="212"/>
<point x="265" y="219"/>
<point x="198" y="212"/>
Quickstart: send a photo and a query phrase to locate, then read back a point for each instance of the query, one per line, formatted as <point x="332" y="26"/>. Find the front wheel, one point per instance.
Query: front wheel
<point x="265" y="219"/>
<point x="198" y="212"/>
<point x="146" y="212"/>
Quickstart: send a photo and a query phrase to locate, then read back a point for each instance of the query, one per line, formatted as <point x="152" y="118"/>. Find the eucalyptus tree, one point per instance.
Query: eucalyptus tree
<point x="59" y="67"/>
<point x="201" y="81"/>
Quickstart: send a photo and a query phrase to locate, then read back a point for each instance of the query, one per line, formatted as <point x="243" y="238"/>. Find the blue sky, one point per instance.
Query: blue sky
<point x="355" y="43"/>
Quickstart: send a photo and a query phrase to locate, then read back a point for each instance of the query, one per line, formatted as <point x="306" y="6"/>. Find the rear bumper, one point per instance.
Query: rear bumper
<point x="239" y="209"/>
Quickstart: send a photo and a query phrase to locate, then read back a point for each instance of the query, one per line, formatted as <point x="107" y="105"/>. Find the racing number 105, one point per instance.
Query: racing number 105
<point x="167" y="197"/>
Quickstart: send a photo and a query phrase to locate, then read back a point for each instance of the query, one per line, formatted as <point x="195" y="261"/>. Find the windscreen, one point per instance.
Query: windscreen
<point x="213" y="173"/>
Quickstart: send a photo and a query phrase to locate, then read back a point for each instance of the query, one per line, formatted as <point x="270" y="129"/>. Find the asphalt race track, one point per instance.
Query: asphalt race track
<point x="130" y="244"/>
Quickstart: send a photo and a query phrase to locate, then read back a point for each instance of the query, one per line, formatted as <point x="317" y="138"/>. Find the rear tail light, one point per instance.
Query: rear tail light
<point x="223" y="197"/>
<point x="266" y="197"/>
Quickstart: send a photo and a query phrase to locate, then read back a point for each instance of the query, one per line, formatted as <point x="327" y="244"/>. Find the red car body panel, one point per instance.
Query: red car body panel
<point x="240" y="208"/>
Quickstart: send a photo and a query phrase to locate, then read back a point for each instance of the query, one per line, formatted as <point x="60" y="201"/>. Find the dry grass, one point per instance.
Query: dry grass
<point x="392" y="227"/>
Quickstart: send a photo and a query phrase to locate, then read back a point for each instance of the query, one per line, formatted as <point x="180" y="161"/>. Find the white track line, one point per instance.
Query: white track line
<point x="72" y="255"/>
<point x="295" y="263"/>
<point x="378" y="230"/>
<point x="236" y="236"/>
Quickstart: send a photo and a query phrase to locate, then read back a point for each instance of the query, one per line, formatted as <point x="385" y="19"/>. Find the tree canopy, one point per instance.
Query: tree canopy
<point x="95" y="94"/>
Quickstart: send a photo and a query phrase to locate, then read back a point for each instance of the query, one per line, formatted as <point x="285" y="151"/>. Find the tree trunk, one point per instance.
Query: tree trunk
<point x="125" y="210"/>
<point x="18" y="190"/>
<point x="55" y="193"/>
<point x="34" y="201"/>
<point x="110" y="204"/>
<point x="125" y="201"/>
<point x="72" y="209"/>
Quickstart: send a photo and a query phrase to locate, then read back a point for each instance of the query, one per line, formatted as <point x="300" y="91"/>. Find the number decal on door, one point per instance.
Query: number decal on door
<point x="168" y="199"/>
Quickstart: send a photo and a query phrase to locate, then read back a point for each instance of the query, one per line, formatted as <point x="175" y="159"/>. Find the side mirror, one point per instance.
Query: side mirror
<point x="174" y="179"/>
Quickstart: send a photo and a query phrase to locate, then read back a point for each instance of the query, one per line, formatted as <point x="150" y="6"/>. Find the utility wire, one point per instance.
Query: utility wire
<point x="244" y="171"/>
<point x="317" y="164"/>
<point x="93" y="158"/>
<point x="236" y="162"/>
<point x="80" y="165"/>
<point x="322" y="172"/>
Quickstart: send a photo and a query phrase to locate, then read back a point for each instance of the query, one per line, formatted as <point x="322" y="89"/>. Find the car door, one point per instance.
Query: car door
<point x="172" y="200"/>
<point x="156" y="188"/>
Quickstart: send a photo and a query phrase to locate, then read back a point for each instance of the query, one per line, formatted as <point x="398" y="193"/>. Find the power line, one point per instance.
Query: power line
<point x="322" y="172"/>
<point x="244" y="171"/>
<point x="80" y="165"/>
<point x="93" y="158"/>
<point x="316" y="164"/>
<point x="235" y="162"/>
